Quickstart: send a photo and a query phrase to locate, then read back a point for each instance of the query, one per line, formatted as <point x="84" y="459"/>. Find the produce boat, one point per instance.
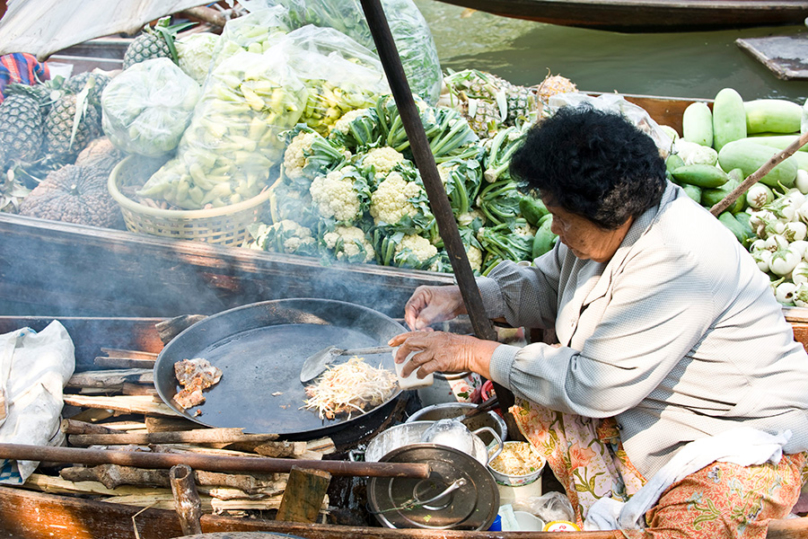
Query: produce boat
<point x="28" y="514"/>
<point x="635" y="16"/>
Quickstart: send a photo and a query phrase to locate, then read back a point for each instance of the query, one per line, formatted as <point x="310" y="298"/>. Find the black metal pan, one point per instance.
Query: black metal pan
<point x="260" y="349"/>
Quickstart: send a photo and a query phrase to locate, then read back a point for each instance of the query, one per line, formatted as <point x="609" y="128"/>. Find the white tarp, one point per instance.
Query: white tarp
<point x="42" y="27"/>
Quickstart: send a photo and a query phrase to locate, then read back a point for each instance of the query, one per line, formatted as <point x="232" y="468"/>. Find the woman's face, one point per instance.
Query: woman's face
<point x="584" y="238"/>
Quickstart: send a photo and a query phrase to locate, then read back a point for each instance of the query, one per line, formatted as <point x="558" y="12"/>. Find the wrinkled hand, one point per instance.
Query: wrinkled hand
<point x="431" y="304"/>
<point x="437" y="351"/>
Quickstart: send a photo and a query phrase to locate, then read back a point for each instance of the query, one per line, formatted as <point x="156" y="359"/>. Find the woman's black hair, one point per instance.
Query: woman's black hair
<point x="591" y="163"/>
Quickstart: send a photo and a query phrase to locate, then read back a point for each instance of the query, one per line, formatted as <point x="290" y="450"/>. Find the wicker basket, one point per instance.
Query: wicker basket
<point x="221" y="226"/>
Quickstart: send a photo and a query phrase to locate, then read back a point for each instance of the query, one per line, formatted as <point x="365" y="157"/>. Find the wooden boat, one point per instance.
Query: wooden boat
<point x="635" y="16"/>
<point x="28" y="514"/>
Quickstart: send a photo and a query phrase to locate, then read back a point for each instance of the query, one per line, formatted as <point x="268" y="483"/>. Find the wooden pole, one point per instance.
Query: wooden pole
<point x="186" y="499"/>
<point x="438" y="201"/>
<point x="210" y="463"/>
<point x="753" y="178"/>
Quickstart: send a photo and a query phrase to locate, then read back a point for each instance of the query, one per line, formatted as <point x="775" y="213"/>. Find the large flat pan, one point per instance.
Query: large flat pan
<point x="260" y="349"/>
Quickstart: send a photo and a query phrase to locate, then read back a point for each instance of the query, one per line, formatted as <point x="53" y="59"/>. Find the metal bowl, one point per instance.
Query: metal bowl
<point x="451" y="410"/>
<point x="410" y="433"/>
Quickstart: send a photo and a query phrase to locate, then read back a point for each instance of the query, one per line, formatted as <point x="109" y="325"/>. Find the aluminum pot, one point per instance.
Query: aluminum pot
<point x="450" y="410"/>
<point x="410" y="433"/>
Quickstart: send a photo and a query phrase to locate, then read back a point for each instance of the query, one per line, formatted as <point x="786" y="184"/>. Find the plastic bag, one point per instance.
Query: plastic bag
<point x="255" y="32"/>
<point x="195" y="54"/>
<point x="408" y="26"/>
<point x="340" y="74"/>
<point x="35" y="369"/>
<point x="548" y="507"/>
<point x="228" y="151"/>
<point x="148" y="106"/>
<point x="616" y="103"/>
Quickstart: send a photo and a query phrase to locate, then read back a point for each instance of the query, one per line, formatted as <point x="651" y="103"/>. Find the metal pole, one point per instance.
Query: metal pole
<point x="425" y="161"/>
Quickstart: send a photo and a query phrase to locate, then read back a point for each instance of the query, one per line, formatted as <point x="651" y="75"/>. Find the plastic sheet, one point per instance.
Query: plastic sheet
<point x="148" y="106"/>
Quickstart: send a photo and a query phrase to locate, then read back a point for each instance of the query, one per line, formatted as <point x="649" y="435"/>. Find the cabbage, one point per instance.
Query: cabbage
<point x="147" y="107"/>
<point x="195" y="53"/>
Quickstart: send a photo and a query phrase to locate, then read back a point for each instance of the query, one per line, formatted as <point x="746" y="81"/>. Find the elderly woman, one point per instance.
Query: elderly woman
<point x="668" y="334"/>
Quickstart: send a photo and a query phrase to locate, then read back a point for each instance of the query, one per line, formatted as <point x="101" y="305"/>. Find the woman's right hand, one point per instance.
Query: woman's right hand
<point x="431" y="304"/>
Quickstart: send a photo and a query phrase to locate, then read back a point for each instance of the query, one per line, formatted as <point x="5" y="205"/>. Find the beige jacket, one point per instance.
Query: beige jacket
<point x="678" y="336"/>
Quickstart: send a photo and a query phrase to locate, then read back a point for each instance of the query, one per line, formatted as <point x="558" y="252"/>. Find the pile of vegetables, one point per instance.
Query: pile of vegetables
<point x="719" y="148"/>
<point x="355" y="195"/>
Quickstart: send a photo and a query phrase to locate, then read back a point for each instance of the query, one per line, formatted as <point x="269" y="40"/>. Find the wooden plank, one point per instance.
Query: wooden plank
<point x="124" y="403"/>
<point x="304" y="495"/>
<point x="180" y="277"/>
<point x="111" y="378"/>
<point x="785" y="56"/>
<point x="34" y="515"/>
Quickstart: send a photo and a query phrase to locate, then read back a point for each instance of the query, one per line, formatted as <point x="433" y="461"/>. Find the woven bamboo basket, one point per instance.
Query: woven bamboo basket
<point x="222" y="226"/>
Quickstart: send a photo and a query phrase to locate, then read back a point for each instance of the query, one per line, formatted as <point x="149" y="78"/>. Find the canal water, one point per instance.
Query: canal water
<point x="695" y="65"/>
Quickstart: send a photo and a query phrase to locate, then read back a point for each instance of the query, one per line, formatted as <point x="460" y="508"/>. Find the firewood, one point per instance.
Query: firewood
<point x="71" y="426"/>
<point x="209" y="449"/>
<point x="186" y="499"/>
<point x="133" y="354"/>
<point x="198" y="436"/>
<point x="113" y="476"/>
<point x="281" y="449"/>
<point x="124" y="403"/>
<point x="91" y="415"/>
<point x="163" y="424"/>
<point x="322" y="445"/>
<point x="111" y="378"/>
<point x="304" y="495"/>
<point x="119" y="426"/>
<point x="138" y="389"/>
<point x="123" y="362"/>
<point x="110" y="390"/>
<point x="59" y="485"/>
<point x="168" y="329"/>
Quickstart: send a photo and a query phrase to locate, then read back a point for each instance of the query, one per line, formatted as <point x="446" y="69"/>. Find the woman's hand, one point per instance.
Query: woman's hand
<point x="431" y="304"/>
<point x="437" y="351"/>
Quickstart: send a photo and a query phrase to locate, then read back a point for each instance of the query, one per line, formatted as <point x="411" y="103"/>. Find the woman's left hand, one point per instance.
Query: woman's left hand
<point x="437" y="351"/>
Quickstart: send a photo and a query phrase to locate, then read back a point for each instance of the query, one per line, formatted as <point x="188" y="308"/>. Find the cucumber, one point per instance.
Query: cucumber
<point x="781" y="142"/>
<point x="692" y="191"/>
<point x="772" y="116"/>
<point x="673" y="162"/>
<point x="736" y="174"/>
<point x="729" y="221"/>
<point x="743" y="219"/>
<point x="697" y="124"/>
<point x="750" y="156"/>
<point x="711" y="197"/>
<point x="701" y="176"/>
<point x="801" y="158"/>
<point x="729" y="118"/>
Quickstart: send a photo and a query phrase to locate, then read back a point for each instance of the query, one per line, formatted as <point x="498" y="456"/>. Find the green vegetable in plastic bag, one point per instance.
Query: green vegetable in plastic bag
<point x="147" y="107"/>
<point x="195" y="53"/>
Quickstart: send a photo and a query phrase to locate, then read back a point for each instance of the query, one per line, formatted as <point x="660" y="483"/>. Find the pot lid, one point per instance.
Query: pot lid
<point x="460" y="493"/>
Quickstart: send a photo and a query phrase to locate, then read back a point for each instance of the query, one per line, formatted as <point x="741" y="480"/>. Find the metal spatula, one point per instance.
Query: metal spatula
<point x="316" y="363"/>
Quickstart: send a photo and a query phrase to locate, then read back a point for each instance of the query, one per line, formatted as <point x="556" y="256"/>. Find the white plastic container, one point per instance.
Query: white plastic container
<point x="412" y="381"/>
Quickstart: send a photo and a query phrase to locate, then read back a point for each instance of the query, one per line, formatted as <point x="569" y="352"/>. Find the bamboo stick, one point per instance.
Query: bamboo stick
<point x="125" y="403"/>
<point x="111" y="378"/>
<point x="186" y="499"/>
<point x="198" y="436"/>
<point x="210" y="463"/>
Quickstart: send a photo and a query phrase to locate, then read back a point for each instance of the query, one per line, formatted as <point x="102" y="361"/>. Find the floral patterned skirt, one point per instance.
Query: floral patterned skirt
<point x="722" y="500"/>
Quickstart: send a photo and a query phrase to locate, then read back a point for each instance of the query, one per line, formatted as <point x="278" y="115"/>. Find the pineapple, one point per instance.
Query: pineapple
<point x="20" y="128"/>
<point x="552" y="85"/>
<point x="522" y="104"/>
<point x="59" y="141"/>
<point x="157" y="42"/>
<point x="77" y="83"/>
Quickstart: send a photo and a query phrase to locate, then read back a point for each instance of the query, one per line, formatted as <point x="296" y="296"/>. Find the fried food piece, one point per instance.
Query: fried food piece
<point x="194" y="375"/>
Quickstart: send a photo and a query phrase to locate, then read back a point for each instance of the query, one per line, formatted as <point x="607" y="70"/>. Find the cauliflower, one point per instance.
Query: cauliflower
<point x="475" y="257"/>
<point x="383" y="160"/>
<point x="336" y="196"/>
<point x="343" y="125"/>
<point x="309" y="154"/>
<point x="296" y="155"/>
<point x="391" y="200"/>
<point x="414" y="252"/>
<point x="284" y="237"/>
<point x="349" y="244"/>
